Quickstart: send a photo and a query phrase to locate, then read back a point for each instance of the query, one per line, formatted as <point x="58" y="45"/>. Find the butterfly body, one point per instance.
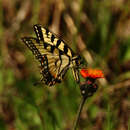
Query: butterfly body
<point x="54" y="55"/>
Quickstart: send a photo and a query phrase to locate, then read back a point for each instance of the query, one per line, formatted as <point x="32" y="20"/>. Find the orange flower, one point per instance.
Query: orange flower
<point x="92" y="73"/>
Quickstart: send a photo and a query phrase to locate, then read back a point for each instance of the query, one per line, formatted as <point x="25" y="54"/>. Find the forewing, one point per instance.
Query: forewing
<point x="46" y="36"/>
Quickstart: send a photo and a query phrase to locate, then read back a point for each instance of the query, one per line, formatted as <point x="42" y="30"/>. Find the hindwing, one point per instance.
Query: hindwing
<point x="53" y="65"/>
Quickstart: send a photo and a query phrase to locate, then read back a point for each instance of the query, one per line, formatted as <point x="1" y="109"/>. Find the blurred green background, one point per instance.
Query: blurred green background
<point x="99" y="31"/>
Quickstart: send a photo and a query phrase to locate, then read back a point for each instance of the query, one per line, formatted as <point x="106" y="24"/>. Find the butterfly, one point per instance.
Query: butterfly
<point x="54" y="55"/>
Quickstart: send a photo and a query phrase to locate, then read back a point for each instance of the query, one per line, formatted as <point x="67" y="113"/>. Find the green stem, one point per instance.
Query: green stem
<point x="79" y="112"/>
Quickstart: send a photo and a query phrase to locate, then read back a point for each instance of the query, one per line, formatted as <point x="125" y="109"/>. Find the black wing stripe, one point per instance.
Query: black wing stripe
<point x="52" y="38"/>
<point x="47" y="31"/>
<point x="52" y="49"/>
<point x="58" y="43"/>
<point x="38" y="31"/>
<point x="65" y="49"/>
<point x="60" y="63"/>
<point x="45" y="45"/>
<point x="64" y="70"/>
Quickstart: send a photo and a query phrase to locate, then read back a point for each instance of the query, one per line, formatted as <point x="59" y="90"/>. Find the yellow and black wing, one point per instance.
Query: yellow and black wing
<point x="53" y="65"/>
<point x="53" y="54"/>
<point x="48" y="37"/>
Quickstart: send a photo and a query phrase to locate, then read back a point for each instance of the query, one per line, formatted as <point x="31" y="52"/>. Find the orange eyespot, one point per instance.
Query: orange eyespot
<point x="92" y="73"/>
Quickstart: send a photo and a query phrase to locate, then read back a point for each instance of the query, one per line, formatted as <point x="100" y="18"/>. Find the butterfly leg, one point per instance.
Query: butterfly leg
<point x="76" y="74"/>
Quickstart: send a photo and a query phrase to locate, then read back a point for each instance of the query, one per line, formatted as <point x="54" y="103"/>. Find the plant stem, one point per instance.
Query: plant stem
<point x="79" y="112"/>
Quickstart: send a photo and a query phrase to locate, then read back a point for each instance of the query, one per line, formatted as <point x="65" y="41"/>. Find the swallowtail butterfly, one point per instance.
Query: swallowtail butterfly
<point x="54" y="55"/>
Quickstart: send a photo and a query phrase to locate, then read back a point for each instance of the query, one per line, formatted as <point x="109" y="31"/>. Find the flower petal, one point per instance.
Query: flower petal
<point x="92" y="73"/>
